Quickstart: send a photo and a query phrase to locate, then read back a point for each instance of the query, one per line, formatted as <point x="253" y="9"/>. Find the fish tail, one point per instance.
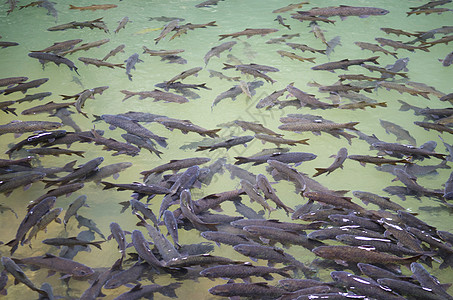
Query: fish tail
<point x="97" y="244"/>
<point x="213" y="133"/>
<point x="49" y="183"/>
<point x="320" y="171"/>
<point x="72" y="6"/>
<point x="202" y="148"/>
<point x="424" y="48"/>
<point x="382" y="104"/>
<point x="351" y="125"/>
<point x="408" y="260"/>
<point x="374" y="60"/>
<point x="14" y="244"/>
<point x="107" y="185"/>
<point x="241" y="160"/>
<point x="128" y="94"/>
<point x="169" y="290"/>
<point x="304" y="141"/>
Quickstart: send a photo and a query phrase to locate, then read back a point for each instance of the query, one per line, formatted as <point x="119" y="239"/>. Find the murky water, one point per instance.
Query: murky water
<point x="29" y="26"/>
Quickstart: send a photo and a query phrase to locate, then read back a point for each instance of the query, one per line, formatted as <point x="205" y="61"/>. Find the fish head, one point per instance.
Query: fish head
<point x="82" y="271"/>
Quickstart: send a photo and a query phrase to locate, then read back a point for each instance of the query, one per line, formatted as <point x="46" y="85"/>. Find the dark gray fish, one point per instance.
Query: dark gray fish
<point x="330" y="233"/>
<point x="147" y="291"/>
<point x="236" y="91"/>
<point x="199" y="260"/>
<point x="234" y="141"/>
<point x="187" y="212"/>
<point x="215" y="51"/>
<point x="408" y="289"/>
<point x="243" y="271"/>
<point x="24" y="86"/>
<point x="363" y="285"/>
<point x="141" y="245"/>
<point x="163" y="245"/>
<point x="19" y="127"/>
<point x="109" y="170"/>
<point x="59" y="264"/>
<point x="71" y="242"/>
<point x="95" y="290"/>
<point x="141" y="142"/>
<point x="8" y="186"/>
<point x="338" y="163"/>
<point x="131" y="275"/>
<point x="71" y="252"/>
<point x="398" y="131"/>
<point x="259" y="290"/>
<point x="177" y="165"/>
<point x="120" y="237"/>
<point x="57" y="192"/>
<point x="90" y="224"/>
<point x="290" y="157"/>
<point x="382" y="202"/>
<point x="65" y="116"/>
<point x="44" y="57"/>
<point x="172" y="226"/>
<point x="32" y="217"/>
<point x="11" y="267"/>
<point x="269" y="192"/>
<point x="237" y="172"/>
<point x="417" y="153"/>
<point x="82" y="172"/>
<point x="248" y="212"/>
<point x="130" y="64"/>
<point x="427" y="281"/>
<point x="221" y="237"/>
<point x="344" y="64"/>
<point x="38" y="96"/>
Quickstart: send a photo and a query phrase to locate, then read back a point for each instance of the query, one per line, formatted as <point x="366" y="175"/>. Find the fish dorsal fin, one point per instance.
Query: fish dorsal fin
<point x="136" y="288"/>
<point x="174" y="160"/>
<point x="48" y="255"/>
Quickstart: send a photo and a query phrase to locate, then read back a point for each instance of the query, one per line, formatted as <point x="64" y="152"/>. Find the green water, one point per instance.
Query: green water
<point x="28" y="28"/>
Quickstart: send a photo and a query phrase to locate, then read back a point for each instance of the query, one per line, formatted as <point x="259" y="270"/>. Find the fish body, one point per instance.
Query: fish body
<point x="395" y="148"/>
<point x="141" y="143"/>
<point x="108" y="171"/>
<point x="172" y="227"/>
<point x="258" y="290"/>
<point x="7" y="186"/>
<point x="59" y="264"/>
<point x="217" y="50"/>
<point x="141" y="245"/>
<point x="295" y="56"/>
<point x="11" y="267"/>
<point x="400" y="45"/>
<point x="337" y="201"/>
<point x="48" y="107"/>
<point x="269" y="192"/>
<point x="131" y="274"/>
<point x="25" y="86"/>
<point x="344" y="64"/>
<point x="82" y="172"/>
<point x="374" y="48"/>
<point x="45" y="220"/>
<point x="74" y="208"/>
<point x="43" y="57"/>
<point x="248" y="32"/>
<point x="93" y="7"/>
<point x="185" y="204"/>
<point x="241" y="140"/>
<point x="338" y="163"/>
<point x="185" y="74"/>
<point x="186" y="126"/>
<point x="344" y="11"/>
<point x="99" y="63"/>
<point x="112" y="144"/>
<point x="115" y="51"/>
<point x="130" y="64"/>
<point x="86" y="46"/>
<point x="122" y="24"/>
<point x="57" y="192"/>
<point x="317" y="127"/>
<point x="177" y="165"/>
<point x="255" y="127"/>
<point x="163" y="245"/>
<point x="170" y="26"/>
<point x="120" y="237"/>
<point x="290" y="157"/>
<point x="360" y="254"/>
<point x="71" y="242"/>
<point x="61" y="46"/>
<point x="304" y="48"/>
<point x="382" y="202"/>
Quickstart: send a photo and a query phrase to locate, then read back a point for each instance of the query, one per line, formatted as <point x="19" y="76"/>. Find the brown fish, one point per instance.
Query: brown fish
<point x="344" y="64"/>
<point x="295" y="56"/>
<point x="99" y="63"/>
<point x="400" y="45"/>
<point x="338" y="163"/>
<point x="93" y="7"/>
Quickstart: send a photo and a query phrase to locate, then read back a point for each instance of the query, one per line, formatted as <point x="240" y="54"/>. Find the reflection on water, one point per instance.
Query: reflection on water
<point x="28" y="27"/>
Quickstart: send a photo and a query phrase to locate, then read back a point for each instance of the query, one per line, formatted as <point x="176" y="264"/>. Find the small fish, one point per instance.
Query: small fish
<point x="338" y="163"/>
<point x="121" y="25"/>
<point x="93" y="7"/>
<point x="71" y="242"/>
<point x="248" y="32"/>
<point x="99" y="63"/>
<point x="74" y="207"/>
<point x="241" y="140"/>
<point x="115" y="51"/>
<point x="130" y="64"/>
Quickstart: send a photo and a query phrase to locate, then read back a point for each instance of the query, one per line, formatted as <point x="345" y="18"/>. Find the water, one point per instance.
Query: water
<point x="28" y="28"/>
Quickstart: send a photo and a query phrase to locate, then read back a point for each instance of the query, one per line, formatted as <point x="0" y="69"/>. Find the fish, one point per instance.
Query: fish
<point x="177" y="165"/>
<point x="112" y="144"/>
<point x="338" y="163"/>
<point x="361" y="105"/>
<point x="8" y="44"/>
<point x="121" y="25"/>
<point x="398" y="32"/>
<point x="115" y="51"/>
<point x="383" y="71"/>
<point x="71" y="242"/>
<point x="318" y="33"/>
<point x="61" y="46"/>
<point x="48" y="107"/>
<point x="248" y="32"/>
<point x="290" y="173"/>
<point x="130" y="64"/>
<point x="141" y="245"/>
<point x="132" y="127"/>
<point x="86" y="46"/>
<point x="259" y="290"/>
<point x="290" y="157"/>
<point x="427" y="281"/>
<point x="11" y="267"/>
<point x="382" y="202"/>
<point x="45" y="220"/>
<point x="304" y="48"/>
<point x="161" y="52"/>
<point x="235" y="91"/>
<point x="93" y="7"/>
<point x="207" y="3"/>
<point x="120" y="237"/>
<point x="316" y="128"/>
<point x="222" y="76"/>
<point x="74" y="208"/>
<point x="448" y="60"/>
<point x="363" y="286"/>
<point x="399" y="149"/>
<point x="361" y="254"/>
<point x="272" y="255"/>
<point x="185" y="205"/>
<point x="377" y="160"/>
<point x="293" y="55"/>
<point x="280" y="21"/>
<point x="344" y="11"/>
<point x="25" y="86"/>
<point x="62" y="190"/>
<point x="86" y="93"/>
<point x="8" y="186"/>
<point x="30" y="220"/>
<point x="408" y="289"/>
<point x="375" y="48"/>
<point x="217" y="50"/>
<point x="36" y="139"/>
<point x="243" y="271"/>
<point x="170" y="26"/>
<point x="163" y="245"/>
<point x="255" y="196"/>
<point x="403" y="89"/>
<point x="187" y="126"/>
<point x="99" y="63"/>
<point x="107" y="171"/>
<point x="306" y="17"/>
<point x="434" y="126"/>
<point x="331" y="199"/>
<point x="88" y="223"/>
<point x="82" y="172"/>
<point x="148" y="291"/>
<point x="58" y="264"/>
<point x="400" y="45"/>
<point x="157" y="95"/>
<point x="234" y="141"/>
<point x="307" y="99"/>
<point x="428" y="11"/>
<point x="255" y="127"/>
<point x="141" y="143"/>
<point x="140" y="189"/>
<point x="289" y="7"/>
<point x="344" y="64"/>
<point x="10" y="81"/>
<point x="269" y="192"/>
<point x="43" y="57"/>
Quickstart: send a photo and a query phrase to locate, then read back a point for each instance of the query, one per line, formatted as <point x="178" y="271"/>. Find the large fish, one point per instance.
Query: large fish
<point x="24" y="86"/>
<point x="344" y="64"/>
<point x="248" y="32"/>
<point x="344" y="11"/>
<point x="11" y="267"/>
<point x="44" y="57"/>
